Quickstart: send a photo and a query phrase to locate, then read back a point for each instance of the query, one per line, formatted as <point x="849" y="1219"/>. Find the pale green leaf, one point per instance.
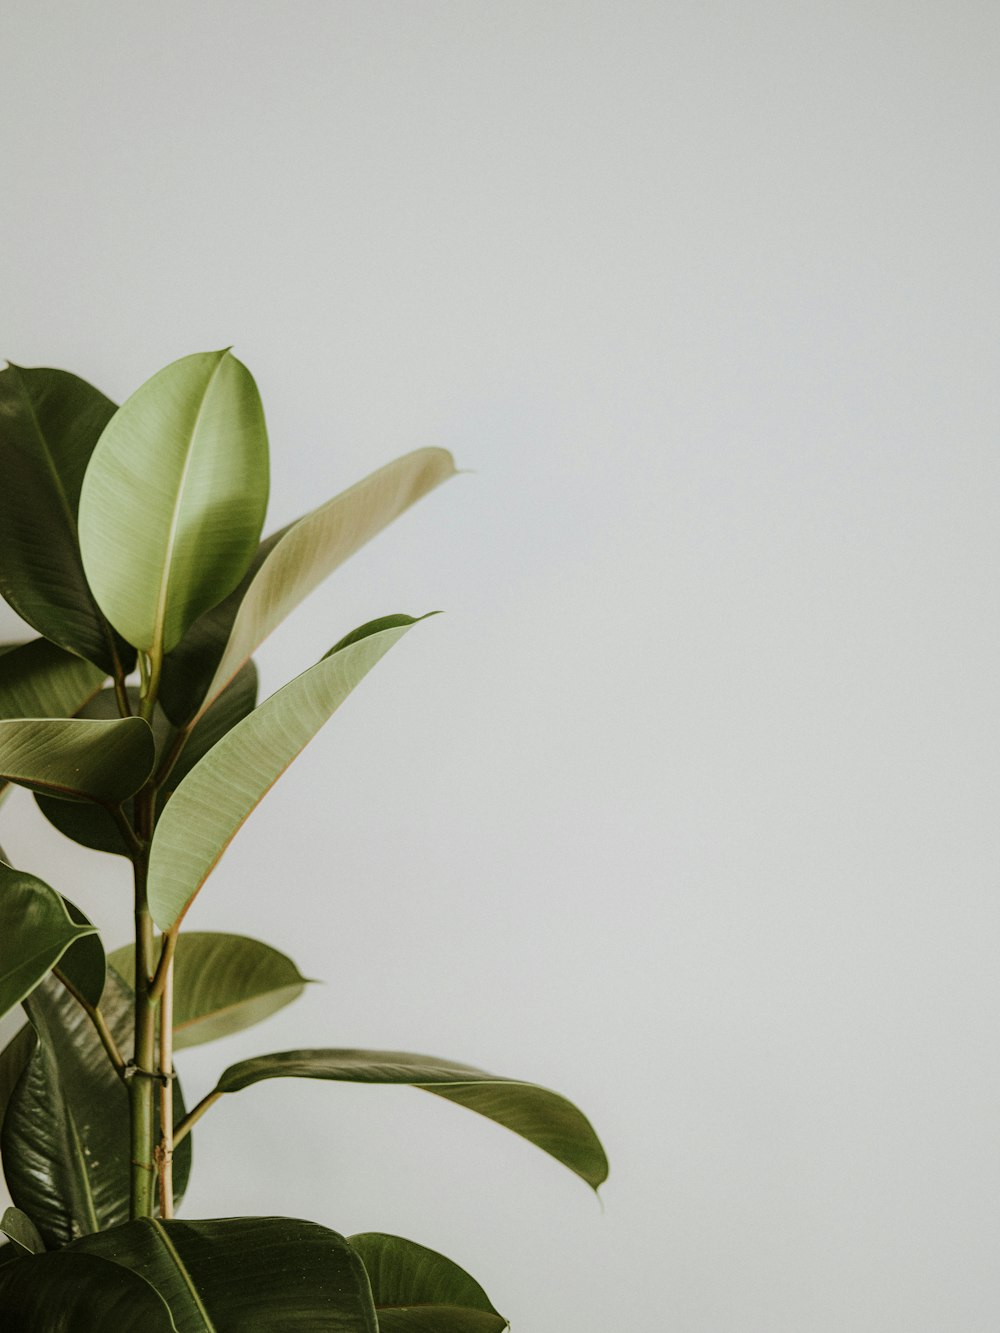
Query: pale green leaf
<point x="77" y="759"/>
<point x="544" y="1118"/>
<point x="35" y="932"/>
<point x="213" y="801"/>
<point x="174" y="497"/>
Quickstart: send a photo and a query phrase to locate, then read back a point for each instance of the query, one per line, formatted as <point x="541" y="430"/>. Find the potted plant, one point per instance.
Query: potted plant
<point x="130" y="541"/>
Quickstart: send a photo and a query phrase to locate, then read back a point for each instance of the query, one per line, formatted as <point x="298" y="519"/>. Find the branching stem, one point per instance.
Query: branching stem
<point x="192" y="1117"/>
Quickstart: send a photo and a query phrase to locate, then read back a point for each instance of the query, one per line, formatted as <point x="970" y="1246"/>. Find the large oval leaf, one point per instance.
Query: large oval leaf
<point x="213" y="801"/>
<point x="417" y="1290"/>
<point x="35" y="932"/>
<point x="541" y="1116"/>
<point x="173" y="500"/>
<point x="66" y="1127"/>
<point x="78" y="1293"/>
<point x="50" y="422"/>
<point x="268" y="1274"/>
<point x="286" y="568"/>
<point x="77" y="759"/>
<point x="39" y="679"/>
<point x="222" y="983"/>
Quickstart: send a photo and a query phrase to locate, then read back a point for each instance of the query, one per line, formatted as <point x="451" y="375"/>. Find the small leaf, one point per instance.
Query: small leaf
<point x="83" y="964"/>
<point x="211" y="804"/>
<point x="222" y="984"/>
<point x="417" y="1290"/>
<point x="49" y="424"/>
<point x="77" y="759"/>
<point x="39" y="679"/>
<point x="35" y="932"/>
<point x="233" y="1275"/>
<point x="541" y="1116"/>
<point x="78" y="1293"/>
<point x="22" y="1231"/>
<point x="173" y="500"/>
<point x="286" y="568"/>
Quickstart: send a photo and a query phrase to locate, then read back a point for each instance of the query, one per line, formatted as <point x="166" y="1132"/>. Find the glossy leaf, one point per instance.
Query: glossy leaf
<point x="69" y="1292"/>
<point x="83" y="964"/>
<point x="417" y="1290"/>
<point x="174" y="498"/>
<point x="66" y="1128"/>
<point x="222" y="984"/>
<point x="541" y="1116"/>
<point x="268" y="1274"/>
<point x="35" y="932"/>
<point x="50" y="422"/>
<point x="13" y="1060"/>
<point x="77" y="759"/>
<point x="213" y="801"/>
<point x="22" y="1231"/>
<point x="288" y="566"/>
<point x="39" y="679"/>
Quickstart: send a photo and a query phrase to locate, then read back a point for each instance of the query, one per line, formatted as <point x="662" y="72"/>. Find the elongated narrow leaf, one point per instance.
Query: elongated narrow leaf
<point x="50" y="422"/>
<point x="39" y="679"/>
<point x="233" y="1275"/>
<point x="417" y="1290"/>
<point x="174" y="498"/>
<point x="213" y="801"/>
<point x="541" y="1116"/>
<point x="78" y="1293"/>
<point x="222" y="983"/>
<point x="77" y="759"/>
<point x="22" y="1231"/>
<point x="35" y="932"/>
<point x="288" y="566"/>
<point x="66" y="1128"/>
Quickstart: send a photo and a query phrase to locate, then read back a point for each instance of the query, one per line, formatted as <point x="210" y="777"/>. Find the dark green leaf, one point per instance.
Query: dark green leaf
<point x="83" y="964"/>
<point x="35" y="932"/>
<point x="232" y="706"/>
<point x="417" y="1290"/>
<point x="78" y="1293"/>
<point x="39" y="679"/>
<point x="22" y="1231"/>
<point x="541" y="1116"/>
<point x="174" y="496"/>
<point x="222" y="983"/>
<point x="234" y="1275"/>
<point x="66" y="1130"/>
<point x="49" y="424"/>
<point x="77" y="759"/>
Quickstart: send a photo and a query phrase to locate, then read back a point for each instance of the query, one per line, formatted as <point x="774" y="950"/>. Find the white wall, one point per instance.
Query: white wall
<point x="688" y="806"/>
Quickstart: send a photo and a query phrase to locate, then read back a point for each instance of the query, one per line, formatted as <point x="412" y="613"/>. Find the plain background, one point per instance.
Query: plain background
<point x="688" y="805"/>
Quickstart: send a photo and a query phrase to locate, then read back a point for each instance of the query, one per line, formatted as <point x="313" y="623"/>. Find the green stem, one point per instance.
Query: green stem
<point x="192" y="1117"/>
<point x="141" y="1085"/>
<point x="93" y="1012"/>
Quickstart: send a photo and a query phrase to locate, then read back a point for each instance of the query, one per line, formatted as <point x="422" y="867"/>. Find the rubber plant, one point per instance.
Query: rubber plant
<point x="130" y="542"/>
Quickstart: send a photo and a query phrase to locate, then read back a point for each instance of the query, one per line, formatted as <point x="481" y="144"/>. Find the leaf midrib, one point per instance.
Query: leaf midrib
<point x="182" y="1270"/>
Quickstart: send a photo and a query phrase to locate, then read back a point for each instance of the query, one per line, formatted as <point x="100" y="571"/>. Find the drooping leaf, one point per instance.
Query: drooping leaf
<point x="268" y="1274"/>
<point x="211" y="804"/>
<point x="287" y="567"/>
<point x="541" y="1116"/>
<point x="77" y="759"/>
<point x="22" y="1231"/>
<point x="222" y="983"/>
<point x="69" y="1292"/>
<point x="417" y="1290"/>
<point x="83" y="964"/>
<point x="173" y="500"/>
<point x="66" y="1129"/>
<point x="35" y="932"/>
<point x="49" y="424"/>
<point x="40" y="679"/>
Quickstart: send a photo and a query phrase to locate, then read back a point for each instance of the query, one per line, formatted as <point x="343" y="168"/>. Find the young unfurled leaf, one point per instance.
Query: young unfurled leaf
<point x="213" y="801"/>
<point x="50" y="422"/>
<point x="173" y="500"/>
<point x="417" y="1290"/>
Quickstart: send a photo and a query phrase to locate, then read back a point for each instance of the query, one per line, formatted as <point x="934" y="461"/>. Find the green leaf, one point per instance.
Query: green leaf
<point x="22" y="1231"/>
<point x="66" y="1128"/>
<point x="77" y="759"/>
<point x="35" y="932"/>
<point x="417" y="1290"/>
<point x="211" y="804"/>
<point x="83" y="964"/>
<point x="236" y="702"/>
<point x="39" y="679"/>
<point x="222" y="984"/>
<point x="49" y="424"/>
<point x="287" y="567"/>
<point x="13" y="1059"/>
<point x="233" y="1275"/>
<point x="541" y="1116"/>
<point x="174" y="498"/>
<point x="78" y="1293"/>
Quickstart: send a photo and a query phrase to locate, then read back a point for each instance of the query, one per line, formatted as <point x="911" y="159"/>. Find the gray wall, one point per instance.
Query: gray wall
<point x="688" y="806"/>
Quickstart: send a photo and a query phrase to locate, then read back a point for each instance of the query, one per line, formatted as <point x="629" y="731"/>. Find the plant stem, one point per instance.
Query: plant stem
<point x="192" y="1117"/>
<point x="141" y="1084"/>
<point x="165" y="1150"/>
<point x="93" y="1012"/>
